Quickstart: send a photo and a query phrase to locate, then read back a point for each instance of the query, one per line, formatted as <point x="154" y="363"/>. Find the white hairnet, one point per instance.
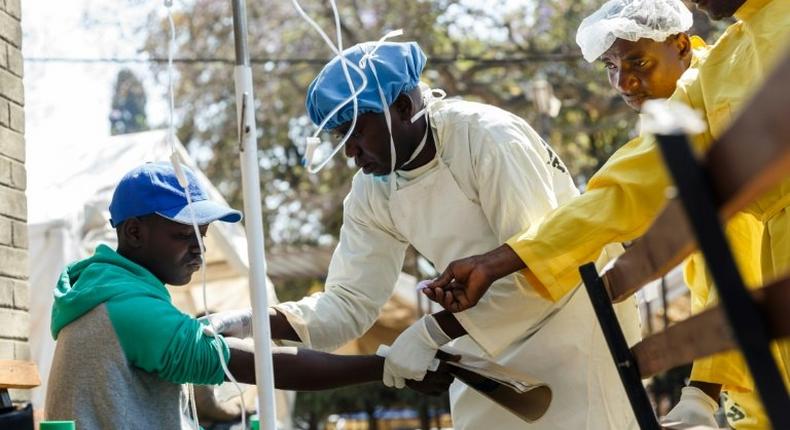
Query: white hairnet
<point x="631" y="20"/>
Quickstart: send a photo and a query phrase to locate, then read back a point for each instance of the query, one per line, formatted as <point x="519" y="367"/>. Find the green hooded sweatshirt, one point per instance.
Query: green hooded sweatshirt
<point x="154" y="335"/>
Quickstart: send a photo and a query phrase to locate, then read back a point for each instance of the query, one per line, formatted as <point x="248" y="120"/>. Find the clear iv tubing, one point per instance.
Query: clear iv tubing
<point x="355" y="92"/>
<point x="182" y="180"/>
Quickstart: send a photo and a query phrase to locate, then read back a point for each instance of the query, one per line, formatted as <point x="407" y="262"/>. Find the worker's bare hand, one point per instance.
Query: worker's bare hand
<point x="465" y="281"/>
<point x="461" y="285"/>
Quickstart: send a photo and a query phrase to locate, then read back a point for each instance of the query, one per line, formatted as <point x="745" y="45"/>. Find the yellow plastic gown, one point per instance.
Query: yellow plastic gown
<point x="627" y="193"/>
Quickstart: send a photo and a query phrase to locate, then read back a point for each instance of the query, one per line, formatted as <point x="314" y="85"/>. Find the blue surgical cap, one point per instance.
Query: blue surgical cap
<point x="398" y="66"/>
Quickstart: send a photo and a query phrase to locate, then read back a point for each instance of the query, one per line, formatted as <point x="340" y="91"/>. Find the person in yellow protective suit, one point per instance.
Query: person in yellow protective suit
<point x="624" y="197"/>
<point x="644" y="58"/>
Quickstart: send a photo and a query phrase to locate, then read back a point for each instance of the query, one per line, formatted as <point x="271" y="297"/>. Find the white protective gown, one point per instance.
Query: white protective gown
<point x="493" y="177"/>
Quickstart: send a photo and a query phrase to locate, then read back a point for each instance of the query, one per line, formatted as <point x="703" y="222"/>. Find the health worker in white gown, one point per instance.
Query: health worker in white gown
<point x="464" y="177"/>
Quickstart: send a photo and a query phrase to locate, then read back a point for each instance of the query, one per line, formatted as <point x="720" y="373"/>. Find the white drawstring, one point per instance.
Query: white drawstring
<point x="428" y="99"/>
<point x="175" y="159"/>
<point x="313" y="141"/>
<point x="429" y="96"/>
<point x="382" y="97"/>
<point x="420" y="146"/>
<point x="372" y="53"/>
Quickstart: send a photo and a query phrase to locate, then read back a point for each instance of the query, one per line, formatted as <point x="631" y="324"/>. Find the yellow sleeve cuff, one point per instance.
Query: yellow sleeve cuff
<point x="550" y="278"/>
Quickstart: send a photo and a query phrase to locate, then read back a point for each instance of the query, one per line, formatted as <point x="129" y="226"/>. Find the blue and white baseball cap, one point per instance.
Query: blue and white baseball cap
<point x="153" y="188"/>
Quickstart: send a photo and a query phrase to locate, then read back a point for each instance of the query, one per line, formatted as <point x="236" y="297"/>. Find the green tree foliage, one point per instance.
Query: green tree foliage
<point x="485" y="51"/>
<point x="127" y="114"/>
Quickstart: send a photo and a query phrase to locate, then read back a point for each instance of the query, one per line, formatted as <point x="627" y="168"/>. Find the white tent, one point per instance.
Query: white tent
<point x="69" y="190"/>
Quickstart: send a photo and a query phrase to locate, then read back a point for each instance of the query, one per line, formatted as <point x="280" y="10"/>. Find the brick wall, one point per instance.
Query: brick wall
<point x="14" y="294"/>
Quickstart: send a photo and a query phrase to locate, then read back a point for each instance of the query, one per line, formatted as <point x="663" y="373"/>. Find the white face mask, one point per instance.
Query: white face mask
<point x="420" y="147"/>
<point x="428" y="97"/>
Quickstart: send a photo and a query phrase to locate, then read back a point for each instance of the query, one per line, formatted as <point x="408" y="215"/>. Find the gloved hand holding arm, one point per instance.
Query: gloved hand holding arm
<point x="413" y="352"/>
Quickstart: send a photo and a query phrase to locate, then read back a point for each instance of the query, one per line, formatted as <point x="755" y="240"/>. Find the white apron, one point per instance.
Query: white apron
<point x="565" y="347"/>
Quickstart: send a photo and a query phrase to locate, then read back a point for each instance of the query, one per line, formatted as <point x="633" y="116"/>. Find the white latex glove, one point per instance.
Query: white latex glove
<point x="413" y="353"/>
<point x="234" y="323"/>
<point x="694" y="408"/>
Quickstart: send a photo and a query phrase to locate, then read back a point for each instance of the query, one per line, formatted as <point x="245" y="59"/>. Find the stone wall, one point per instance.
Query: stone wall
<point x="14" y="294"/>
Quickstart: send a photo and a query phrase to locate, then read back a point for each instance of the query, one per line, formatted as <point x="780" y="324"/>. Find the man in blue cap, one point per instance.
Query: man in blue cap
<point x="123" y="350"/>
<point x="449" y="177"/>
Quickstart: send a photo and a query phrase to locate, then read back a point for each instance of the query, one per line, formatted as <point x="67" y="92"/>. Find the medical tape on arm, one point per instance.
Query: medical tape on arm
<point x="435" y="331"/>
